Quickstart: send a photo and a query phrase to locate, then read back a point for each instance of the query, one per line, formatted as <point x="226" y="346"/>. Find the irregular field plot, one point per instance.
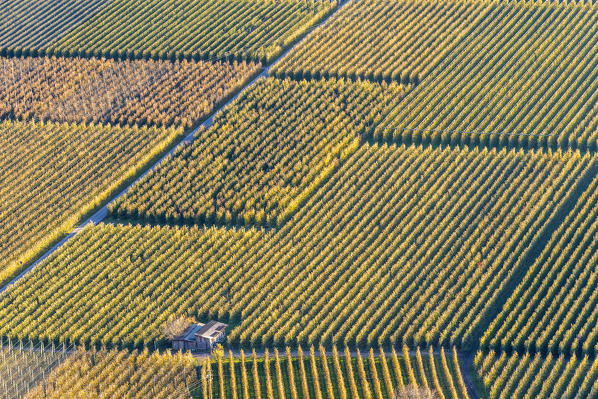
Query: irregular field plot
<point x="36" y="24"/>
<point x="53" y="174"/>
<point x="383" y="40"/>
<point x="534" y="376"/>
<point x="256" y="30"/>
<point x="526" y="76"/>
<point x="117" y="92"/>
<point x="401" y="244"/>
<point x="263" y="156"/>
<point x="554" y="309"/>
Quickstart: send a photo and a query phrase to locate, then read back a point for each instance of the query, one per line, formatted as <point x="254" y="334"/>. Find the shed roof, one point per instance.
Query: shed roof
<point x="211" y="330"/>
<point x="189" y="333"/>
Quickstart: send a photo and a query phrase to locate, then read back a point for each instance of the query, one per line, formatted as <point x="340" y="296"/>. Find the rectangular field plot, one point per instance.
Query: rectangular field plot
<point x="25" y="365"/>
<point x="527" y="76"/>
<point x="400" y="244"/>
<point x="263" y="156"/>
<point x="139" y="92"/>
<point x="279" y="375"/>
<point x="316" y="373"/>
<point x="53" y="174"/>
<point x="535" y="376"/>
<point x="383" y="40"/>
<point x="249" y="30"/>
<point x="36" y="24"/>
<point x="127" y="281"/>
<point x="554" y="309"/>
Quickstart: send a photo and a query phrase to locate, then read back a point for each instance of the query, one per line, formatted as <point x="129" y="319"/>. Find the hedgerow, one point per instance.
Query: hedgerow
<point x="33" y="25"/>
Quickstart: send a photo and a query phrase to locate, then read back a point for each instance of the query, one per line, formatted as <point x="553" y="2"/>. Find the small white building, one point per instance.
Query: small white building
<point x="202" y="337"/>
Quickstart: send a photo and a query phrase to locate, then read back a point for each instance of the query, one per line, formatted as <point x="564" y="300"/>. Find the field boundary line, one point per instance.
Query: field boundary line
<point x="100" y="214"/>
<point x="534" y="250"/>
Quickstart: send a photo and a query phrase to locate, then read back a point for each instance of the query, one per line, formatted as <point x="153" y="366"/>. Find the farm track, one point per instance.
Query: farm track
<point x="466" y="364"/>
<point x="99" y="215"/>
<point x="466" y="358"/>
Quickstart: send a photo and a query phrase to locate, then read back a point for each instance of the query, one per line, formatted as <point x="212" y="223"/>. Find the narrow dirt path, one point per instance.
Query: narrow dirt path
<point x="466" y="364"/>
<point x="101" y="213"/>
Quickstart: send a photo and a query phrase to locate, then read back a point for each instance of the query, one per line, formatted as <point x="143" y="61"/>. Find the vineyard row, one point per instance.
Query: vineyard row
<point x="272" y="375"/>
<point x="159" y="29"/>
<point x="54" y="174"/>
<point x="383" y="40"/>
<point x="534" y="376"/>
<point x="320" y="375"/>
<point x="554" y="309"/>
<point x="400" y="245"/>
<point x="530" y="71"/>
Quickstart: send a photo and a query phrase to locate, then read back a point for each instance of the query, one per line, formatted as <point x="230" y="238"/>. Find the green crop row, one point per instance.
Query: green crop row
<point x="400" y="245"/>
<point x="320" y="374"/>
<point x="263" y="156"/>
<point x="527" y="76"/>
<point x="534" y="376"/>
<point x="37" y="24"/>
<point x="554" y="309"/>
<point x="54" y="174"/>
<point x="233" y="29"/>
<point x="383" y="40"/>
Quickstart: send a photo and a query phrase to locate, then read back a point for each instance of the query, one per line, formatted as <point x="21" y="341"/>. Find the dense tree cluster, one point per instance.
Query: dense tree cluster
<point x="264" y="155"/>
<point x="138" y="92"/>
